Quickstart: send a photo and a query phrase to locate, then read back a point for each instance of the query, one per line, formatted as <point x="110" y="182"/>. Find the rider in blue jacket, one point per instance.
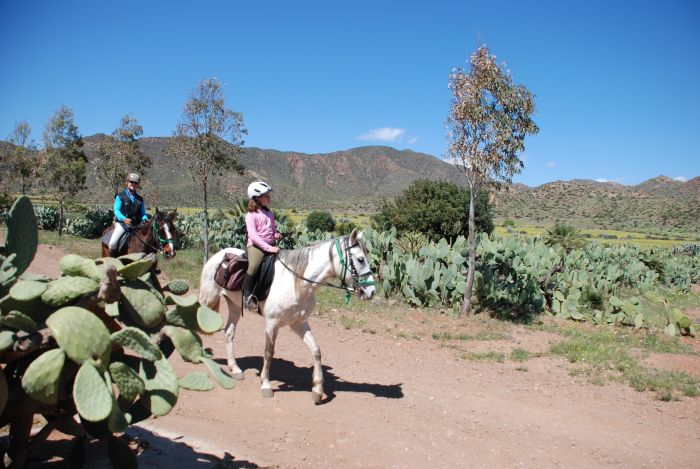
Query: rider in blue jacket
<point x="129" y="210"/>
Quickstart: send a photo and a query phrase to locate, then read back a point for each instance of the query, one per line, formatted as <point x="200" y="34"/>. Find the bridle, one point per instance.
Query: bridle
<point x="161" y="241"/>
<point x="358" y="280"/>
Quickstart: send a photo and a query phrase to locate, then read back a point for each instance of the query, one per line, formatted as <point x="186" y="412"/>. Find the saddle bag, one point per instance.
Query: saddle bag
<point x="230" y="273"/>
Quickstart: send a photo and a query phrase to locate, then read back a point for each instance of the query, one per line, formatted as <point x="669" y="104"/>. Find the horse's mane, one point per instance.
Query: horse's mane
<point x="298" y="259"/>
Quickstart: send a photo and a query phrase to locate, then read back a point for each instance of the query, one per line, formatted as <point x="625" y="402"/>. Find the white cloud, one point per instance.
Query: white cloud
<point x="412" y="140"/>
<point x="385" y="134"/>
<point x="603" y="180"/>
<point x="550" y="164"/>
<point x="680" y="179"/>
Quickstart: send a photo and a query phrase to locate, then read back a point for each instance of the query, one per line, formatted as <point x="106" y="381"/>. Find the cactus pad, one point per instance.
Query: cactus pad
<point x="209" y="321"/>
<point x="80" y="334"/>
<point x="144" y="308"/>
<point x="67" y="289"/>
<point x="187" y="343"/>
<point x="182" y="317"/>
<point x="103" y="262"/>
<point x="91" y="395"/>
<point x="42" y="378"/>
<point x="197" y="381"/>
<point x="7" y="340"/>
<point x="22" y="236"/>
<point x="8" y="273"/>
<point x="27" y="290"/>
<point x="177" y="287"/>
<point x="79" y="266"/>
<point x="112" y="309"/>
<point x="138" y="268"/>
<point x="127" y="381"/>
<point x="161" y="386"/>
<point x="133" y="257"/>
<point x="18" y="320"/>
<point x="189" y="301"/>
<point x="137" y="341"/>
<point x="224" y="379"/>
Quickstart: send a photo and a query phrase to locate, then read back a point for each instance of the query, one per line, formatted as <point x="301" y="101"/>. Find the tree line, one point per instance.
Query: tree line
<point x="208" y="140"/>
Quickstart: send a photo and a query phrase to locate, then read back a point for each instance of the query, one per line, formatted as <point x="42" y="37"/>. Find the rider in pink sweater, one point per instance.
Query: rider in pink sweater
<point x="262" y="237"/>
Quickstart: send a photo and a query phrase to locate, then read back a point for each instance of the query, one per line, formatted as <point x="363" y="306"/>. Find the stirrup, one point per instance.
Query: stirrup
<point x="250" y="303"/>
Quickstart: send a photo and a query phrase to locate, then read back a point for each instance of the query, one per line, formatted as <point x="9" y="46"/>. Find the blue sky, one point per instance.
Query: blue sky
<point x="615" y="82"/>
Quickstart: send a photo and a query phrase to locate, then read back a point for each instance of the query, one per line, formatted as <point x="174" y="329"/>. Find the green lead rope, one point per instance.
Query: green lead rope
<point x="343" y="271"/>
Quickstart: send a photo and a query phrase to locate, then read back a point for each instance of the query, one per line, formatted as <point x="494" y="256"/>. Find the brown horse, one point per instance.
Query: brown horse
<point x="154" y="235"/>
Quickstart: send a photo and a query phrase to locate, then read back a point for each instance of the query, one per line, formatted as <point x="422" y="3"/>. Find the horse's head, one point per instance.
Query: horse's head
<point x="164" y="230"/>
<point x="356" y="258"/>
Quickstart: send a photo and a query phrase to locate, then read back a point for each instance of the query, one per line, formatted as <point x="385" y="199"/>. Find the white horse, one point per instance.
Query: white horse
<point x="298" y="275"/>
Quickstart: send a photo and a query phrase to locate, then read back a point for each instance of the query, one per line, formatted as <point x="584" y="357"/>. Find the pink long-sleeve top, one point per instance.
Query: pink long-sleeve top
<point x="261" y="229"/>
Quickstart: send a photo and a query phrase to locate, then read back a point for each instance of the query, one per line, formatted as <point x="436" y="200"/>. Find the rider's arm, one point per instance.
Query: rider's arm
<point x="144" y="215"/>
<point x="118" y="209"/>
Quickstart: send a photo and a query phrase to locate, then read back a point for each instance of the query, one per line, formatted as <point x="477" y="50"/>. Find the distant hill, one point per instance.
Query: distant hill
<point x="659" y="203"/>
<point x="356" y="180"/>
<point x="352" y="179"/>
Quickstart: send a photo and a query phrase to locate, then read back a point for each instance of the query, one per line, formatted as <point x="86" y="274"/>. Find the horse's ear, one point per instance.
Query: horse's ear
<point x="353" y="236"/>
<point x="157" y="211"/>
<point x="173" y="214"/>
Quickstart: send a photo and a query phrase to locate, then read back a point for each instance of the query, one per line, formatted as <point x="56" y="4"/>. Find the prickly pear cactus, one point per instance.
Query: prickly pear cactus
<point x="177" y="287"/>
<point x="95" y="341"/>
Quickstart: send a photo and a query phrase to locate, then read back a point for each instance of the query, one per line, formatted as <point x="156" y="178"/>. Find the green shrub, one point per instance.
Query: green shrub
<point x="438" y="209"/>
<point x="320" y="220"/>
<point x="564" y="235"/>
<point x="46" y="217"/>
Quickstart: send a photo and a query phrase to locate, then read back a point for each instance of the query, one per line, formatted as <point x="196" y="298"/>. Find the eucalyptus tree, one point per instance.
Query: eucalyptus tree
<point x="64" y="162"/>
<point x="208" y="140"/>
<point x="21" y="163"/>
<point x="119" y="154"/>
<point x="489" y="118"/>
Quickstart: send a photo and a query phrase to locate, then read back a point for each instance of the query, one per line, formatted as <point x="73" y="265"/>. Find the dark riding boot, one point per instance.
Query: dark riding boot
<point x="250" y="302"/>
<point x="113" y="253"/>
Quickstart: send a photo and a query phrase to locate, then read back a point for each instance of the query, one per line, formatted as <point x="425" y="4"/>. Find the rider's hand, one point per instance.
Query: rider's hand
<point x="128" y="221"/>
<point x="278" y="236"/>
<point x="274" y="250"/>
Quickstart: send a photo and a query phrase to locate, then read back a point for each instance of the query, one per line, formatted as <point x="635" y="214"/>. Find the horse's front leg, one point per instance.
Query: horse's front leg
<point x="304" y="332"/>
<point x="270" y="338"/>
<point x="234" y="314"/>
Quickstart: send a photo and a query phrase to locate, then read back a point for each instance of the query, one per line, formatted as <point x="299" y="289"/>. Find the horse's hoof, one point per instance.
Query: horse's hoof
<point x="238" y="375"/>
<point x="266" y="392"/>
<point x="317" y="397"/>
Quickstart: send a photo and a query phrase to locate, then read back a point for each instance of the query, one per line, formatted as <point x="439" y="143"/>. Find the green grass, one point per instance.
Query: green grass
<point x="629" y="237"/>
<point x="605" y="355"/>
<point x="520" y="355"/>
<point x="490" y="356"/>
<point x="187" y="265"/>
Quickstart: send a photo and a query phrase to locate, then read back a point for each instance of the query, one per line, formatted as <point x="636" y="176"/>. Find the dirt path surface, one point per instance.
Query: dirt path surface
<point x="396" y="402"/>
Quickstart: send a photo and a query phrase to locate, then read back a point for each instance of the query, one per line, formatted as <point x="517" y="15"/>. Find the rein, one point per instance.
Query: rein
<point x="344" y="261"/>
<point x="161" y="241"/>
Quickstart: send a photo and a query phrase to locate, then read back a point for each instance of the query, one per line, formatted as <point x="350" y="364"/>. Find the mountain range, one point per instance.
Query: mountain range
<point x="356" y="180"/>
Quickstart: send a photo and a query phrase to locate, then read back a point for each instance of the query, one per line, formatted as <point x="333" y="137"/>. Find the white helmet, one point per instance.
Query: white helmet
<point x="258" y="188"/>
